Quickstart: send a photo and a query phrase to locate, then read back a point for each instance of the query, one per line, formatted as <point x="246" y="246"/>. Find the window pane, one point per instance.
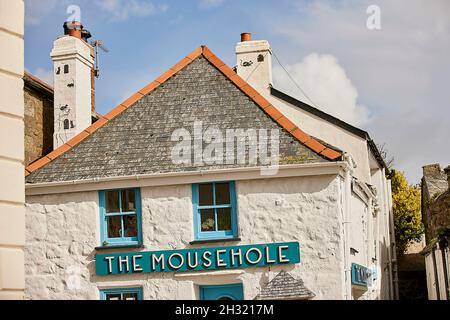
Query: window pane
<point x="130" y="296"/>
<point x="130" y="226"/>
<point x="128" y="201"/>
<point x="205" y="194"/>
<point x="113" y="296"/>
<point x="112" y="201"/>
<point x="207" y="220"/>
<point x="222" y="193"/>
<point x="114" y="226"/>
<point x="224" y="219"/>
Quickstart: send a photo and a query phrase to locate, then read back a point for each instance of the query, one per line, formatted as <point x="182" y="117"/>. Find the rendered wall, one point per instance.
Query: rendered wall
<point x="63" y="231"/>
<point x="332" y="134"/>
<point x="12" y="189"/>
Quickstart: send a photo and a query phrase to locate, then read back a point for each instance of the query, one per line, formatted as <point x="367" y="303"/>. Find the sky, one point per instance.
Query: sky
<point x="381" y="65"/>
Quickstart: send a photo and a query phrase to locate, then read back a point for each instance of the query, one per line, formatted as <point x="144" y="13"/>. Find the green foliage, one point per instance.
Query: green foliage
<point x="407" y="215"/>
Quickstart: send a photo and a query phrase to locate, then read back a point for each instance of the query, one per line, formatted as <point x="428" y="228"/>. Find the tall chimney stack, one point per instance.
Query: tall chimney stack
<point x="73" y="60"/>
<point x="254" y="63"/>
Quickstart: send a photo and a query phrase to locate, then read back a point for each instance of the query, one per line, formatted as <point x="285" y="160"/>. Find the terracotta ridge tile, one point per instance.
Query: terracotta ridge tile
<point x="38" y="163"/>
<point x="117" y="110"/>
<point x="58" y="151"/>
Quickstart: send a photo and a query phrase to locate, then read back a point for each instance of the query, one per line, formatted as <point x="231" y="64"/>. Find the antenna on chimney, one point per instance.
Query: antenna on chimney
<point x="98" y="44"/>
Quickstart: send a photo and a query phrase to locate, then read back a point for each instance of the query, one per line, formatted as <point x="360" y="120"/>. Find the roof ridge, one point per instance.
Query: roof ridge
<point x="204" y="51"/>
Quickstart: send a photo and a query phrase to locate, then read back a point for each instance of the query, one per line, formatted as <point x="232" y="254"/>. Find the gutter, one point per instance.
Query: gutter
<point x="173" y="178"/>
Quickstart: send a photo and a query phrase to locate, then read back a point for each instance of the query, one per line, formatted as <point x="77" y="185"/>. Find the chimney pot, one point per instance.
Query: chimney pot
<point x="73" y="29"/>
<point x="246" y="36"/>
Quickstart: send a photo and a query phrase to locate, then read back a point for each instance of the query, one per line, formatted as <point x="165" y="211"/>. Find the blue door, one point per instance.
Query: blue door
<point x="222" y="292"/>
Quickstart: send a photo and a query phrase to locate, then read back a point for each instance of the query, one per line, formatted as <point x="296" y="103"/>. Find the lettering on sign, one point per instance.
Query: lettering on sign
<point x="198" y="259"/>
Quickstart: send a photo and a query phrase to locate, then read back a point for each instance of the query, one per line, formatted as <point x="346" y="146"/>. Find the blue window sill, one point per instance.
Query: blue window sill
<point x="122" y="246"/>
<point x="205" y="241"/>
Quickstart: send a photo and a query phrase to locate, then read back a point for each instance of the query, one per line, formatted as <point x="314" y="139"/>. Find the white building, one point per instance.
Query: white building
<point x="163" y="199"/>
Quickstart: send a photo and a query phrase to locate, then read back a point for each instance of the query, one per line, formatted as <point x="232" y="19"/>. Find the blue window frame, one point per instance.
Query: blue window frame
<point x="222" y="292"/>
<point x="121" y="294"/>
<point x="215" y="210"/>
<point x="120" y="217"/>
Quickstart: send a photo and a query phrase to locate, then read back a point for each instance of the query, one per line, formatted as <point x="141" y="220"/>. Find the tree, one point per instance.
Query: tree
<point x="406" y="209"/>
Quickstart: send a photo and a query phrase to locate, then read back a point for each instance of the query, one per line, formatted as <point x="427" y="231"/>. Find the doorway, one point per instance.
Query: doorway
<point x="222" y="292"/>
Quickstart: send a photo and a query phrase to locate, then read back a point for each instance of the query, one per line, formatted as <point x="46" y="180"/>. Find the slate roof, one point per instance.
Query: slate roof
<point x="135" y="137"/>
<point x="285" y="286"/>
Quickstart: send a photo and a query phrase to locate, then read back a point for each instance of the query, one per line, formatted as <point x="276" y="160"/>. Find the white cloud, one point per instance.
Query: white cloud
<point x="210" y="3"/>
<point x="45" y="75"/>
<point x="401" y="72"/>
<point x="37" y="10"/>
<point x="326" y="85"/>
<point x="121" y="10"/>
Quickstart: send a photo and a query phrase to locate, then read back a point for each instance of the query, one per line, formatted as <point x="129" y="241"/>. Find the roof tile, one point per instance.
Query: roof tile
<point x="97" y="124"/>
<point x="37" y="164"/>
<point x="132" y="100"/>
<point x="78" y="138"/>
<point x="224" y="69"/>
<point x="117" y="110"/>
<point x="57" y="152"/>
<point x="314" y="145"/>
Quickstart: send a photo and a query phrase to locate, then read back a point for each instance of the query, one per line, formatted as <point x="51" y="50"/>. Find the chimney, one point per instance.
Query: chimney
<point x="254" y="62"/>
<point x="432" y="170"/>
<point x="447" y="172"/>
<point x="73" y="61"/>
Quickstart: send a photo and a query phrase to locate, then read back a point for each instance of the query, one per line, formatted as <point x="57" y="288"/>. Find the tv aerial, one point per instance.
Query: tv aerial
<point x="98" y="44"/>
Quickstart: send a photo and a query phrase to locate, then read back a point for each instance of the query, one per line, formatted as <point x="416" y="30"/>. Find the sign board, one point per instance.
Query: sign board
<point x="213" y="258"/>
<point x="361" y="276"/>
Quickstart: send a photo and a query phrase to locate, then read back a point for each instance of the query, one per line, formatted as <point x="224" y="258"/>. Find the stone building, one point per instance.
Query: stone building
<point x="38" y="100"/>
<point x="203" y="185"/>
<point x="436" y="218"/>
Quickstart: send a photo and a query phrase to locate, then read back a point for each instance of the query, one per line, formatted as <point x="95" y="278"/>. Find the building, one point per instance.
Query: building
<point x="12" y="194"/>
<point x="39" y="118"/>
<point x="436" y="218"/>
<point x="38" y="107"/>
<point x="203" y="185"/>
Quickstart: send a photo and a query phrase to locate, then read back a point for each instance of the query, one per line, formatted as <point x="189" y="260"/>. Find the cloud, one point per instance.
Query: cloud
<point x="210" y="3"/>
<point x="401" y="71"/>
<point x="121" y="10"/>
<point x="37" y="10"/>
<point x="326" y="85"/>
<point x="45" y="75"/>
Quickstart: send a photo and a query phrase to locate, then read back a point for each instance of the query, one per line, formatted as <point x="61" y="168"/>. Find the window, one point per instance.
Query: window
<point x="120" y="212"/>
<point x="66" y="124"/>
<point x="121" y="294"/>
<point x="66" y="68"/>
<point x="215" y="214"/>
<point x="222" y="292"/>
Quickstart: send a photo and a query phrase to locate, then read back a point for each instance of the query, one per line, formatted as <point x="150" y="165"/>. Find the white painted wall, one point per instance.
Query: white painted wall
<point x="77" y="54"/>
<point x="355" y="146"/>
<point x="257" y="73"/>
<point x="63" y="231"/>
<point x="12" y="188"/>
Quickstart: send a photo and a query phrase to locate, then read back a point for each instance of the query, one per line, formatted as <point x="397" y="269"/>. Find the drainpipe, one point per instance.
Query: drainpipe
<point x="393" y="272"/>
<point x="346" y="191"/>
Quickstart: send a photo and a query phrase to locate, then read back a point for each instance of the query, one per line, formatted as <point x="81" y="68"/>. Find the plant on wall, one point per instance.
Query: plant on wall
<point x="407" y="214"/>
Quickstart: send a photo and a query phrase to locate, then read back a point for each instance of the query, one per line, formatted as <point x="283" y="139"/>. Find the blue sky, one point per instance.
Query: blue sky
<point x="392" y="82"/>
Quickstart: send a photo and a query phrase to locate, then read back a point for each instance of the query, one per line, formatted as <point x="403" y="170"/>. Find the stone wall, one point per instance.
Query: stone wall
<point x="63" y="231"/>
<point x="38" y="125"/>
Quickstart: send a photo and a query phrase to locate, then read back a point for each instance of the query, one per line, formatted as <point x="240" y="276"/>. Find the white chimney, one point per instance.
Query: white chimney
<point x="73" y="61"/>
<point x="254" y="63"/>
